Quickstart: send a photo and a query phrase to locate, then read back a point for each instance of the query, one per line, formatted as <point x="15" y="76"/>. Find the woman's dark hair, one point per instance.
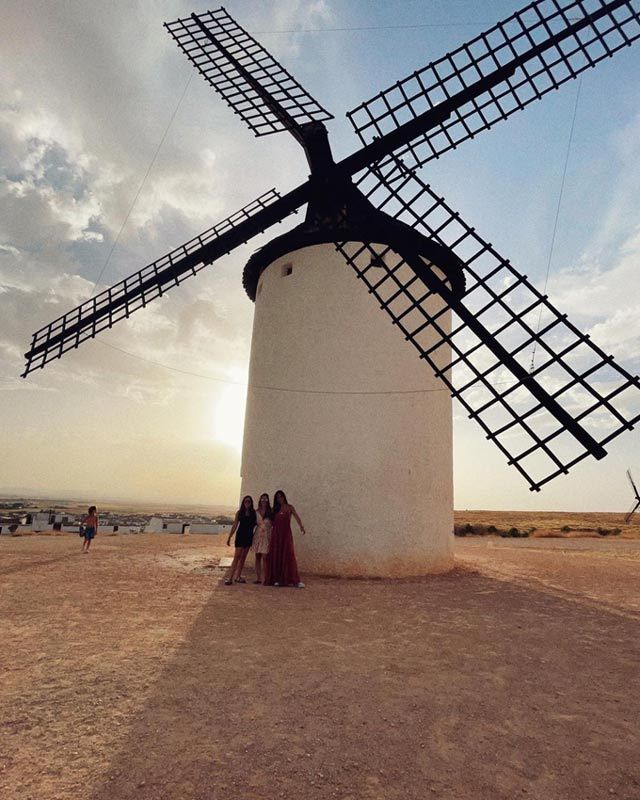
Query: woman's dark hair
<point x="268" y="514"/>
<point x="92" y="509"/>
<point x="241" y="511"/>
<point x="277" y="503"/>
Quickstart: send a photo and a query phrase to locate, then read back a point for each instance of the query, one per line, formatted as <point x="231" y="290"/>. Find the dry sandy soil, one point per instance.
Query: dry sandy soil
<point x="134" y="673"/>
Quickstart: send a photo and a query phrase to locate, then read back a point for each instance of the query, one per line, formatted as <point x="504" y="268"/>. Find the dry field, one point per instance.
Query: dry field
<point x="551" y="523"/>
<point x="133" y="673"/>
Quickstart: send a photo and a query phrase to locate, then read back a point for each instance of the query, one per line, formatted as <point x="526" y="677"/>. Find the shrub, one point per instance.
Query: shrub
<point x="492" y="529"/>
<point x="565" y="528"/>
<point x="514" y="533"/>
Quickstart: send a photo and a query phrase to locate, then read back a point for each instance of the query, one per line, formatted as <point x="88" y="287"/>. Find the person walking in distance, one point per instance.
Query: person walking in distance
<point x="282" y="567"/>
<point x="262" y="534"/>
<point x="243" y="526"/>
<point x="90" y="523"/>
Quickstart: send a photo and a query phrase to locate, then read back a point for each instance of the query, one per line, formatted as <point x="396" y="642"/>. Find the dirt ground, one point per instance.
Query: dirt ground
<point x="134" y="673"/>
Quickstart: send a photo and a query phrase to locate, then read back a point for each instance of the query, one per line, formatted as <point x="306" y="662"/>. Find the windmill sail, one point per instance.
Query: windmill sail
<point x="544" y="416"/>
<point x="632" y="511"/>
<point x="636" y="504"/>
<point x="504" y="69"/>
<point x="544" y="420"/>
<point x="122" y="299"/>
<point x="245" y="75"/>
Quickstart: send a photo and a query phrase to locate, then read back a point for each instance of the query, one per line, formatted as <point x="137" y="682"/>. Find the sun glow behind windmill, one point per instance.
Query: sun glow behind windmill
<point x="467" y="312"/>
<point x="636" y="504"/>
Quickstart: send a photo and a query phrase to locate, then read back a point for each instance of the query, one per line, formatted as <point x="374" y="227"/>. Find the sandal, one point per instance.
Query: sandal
<point x="240" y="580"/>
<point x="228" y="583"/>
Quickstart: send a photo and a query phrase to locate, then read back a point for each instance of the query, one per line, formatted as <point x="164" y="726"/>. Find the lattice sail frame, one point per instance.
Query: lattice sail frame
<point x="602" y="397"/>
<point x="636" y="504"/>
<point x="532" y="30"/>
<point x="123" y="298"/>
<point x="462" y="94"/>
<point x="224" y="76"/>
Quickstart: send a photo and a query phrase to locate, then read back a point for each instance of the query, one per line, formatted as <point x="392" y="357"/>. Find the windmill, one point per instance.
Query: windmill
<point x="636" y="505"/>
<point x="339" y="409"/>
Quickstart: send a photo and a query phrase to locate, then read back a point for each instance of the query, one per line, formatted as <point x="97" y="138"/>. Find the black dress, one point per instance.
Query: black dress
<point x="244" y="532"/>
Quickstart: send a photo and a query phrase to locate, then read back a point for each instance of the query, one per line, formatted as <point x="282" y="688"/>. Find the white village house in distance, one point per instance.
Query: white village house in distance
<point x="54" y="521"/>
<point x="160" y="525"/>
<point x="350" y="417"/>
<point x="44" y="521"/>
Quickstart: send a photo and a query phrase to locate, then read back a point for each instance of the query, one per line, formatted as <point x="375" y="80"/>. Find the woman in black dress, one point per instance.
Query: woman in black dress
<point x="243" y="527"/>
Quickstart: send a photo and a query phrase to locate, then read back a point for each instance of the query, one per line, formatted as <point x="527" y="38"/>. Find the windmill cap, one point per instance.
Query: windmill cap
<point x="302" y="236"/>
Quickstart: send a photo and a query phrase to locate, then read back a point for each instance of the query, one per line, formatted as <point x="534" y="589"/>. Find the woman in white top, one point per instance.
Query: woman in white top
<point x="262" y="535"/>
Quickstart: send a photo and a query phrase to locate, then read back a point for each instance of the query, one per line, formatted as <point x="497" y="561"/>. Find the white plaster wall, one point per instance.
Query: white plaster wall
<point x="176" y="527"/>
<point x="369" y="474"/>
<point x="41" y="522"/>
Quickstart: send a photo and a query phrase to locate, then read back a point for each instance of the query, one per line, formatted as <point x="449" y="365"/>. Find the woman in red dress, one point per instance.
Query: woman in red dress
<point x="281" y="568"/>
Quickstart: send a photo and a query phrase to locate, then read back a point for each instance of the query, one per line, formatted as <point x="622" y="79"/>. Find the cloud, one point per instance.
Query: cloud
<point x="600" y="297"/>
<point x="599" y="291"/>
<point x="302" y="14"/>
<point x="146" y="393"/>
<point x="64" y="194"/>
<point x="620" y="334"/>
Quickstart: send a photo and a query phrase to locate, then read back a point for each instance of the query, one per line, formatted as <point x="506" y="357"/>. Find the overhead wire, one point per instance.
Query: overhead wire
<point x="368" y="28"/>
<point x="142" y="183"/>
<point x="246" y="385"/>
<point x="557" y="216"/>
<point x="413" y="26"/>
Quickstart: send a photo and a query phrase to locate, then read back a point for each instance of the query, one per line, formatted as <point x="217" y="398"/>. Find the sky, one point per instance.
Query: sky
<point x="113" y="151"/>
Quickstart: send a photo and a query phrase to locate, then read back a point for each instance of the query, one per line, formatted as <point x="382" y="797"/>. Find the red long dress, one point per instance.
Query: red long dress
<point x="281" y="564"/>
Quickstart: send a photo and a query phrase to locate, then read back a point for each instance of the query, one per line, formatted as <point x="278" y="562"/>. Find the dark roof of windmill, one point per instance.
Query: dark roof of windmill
<point x="304" y="236"/>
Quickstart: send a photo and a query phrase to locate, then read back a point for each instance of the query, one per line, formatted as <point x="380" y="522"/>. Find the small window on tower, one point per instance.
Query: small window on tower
<point x="287" y="269"/>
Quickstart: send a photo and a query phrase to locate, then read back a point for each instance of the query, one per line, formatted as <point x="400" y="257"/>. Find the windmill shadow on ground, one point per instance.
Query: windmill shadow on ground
<point x="459" y="685"/>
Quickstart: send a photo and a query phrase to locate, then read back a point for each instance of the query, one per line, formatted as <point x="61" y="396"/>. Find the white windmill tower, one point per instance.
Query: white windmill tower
<point x="341" y="413"/>
<point x="338" y="414"/>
